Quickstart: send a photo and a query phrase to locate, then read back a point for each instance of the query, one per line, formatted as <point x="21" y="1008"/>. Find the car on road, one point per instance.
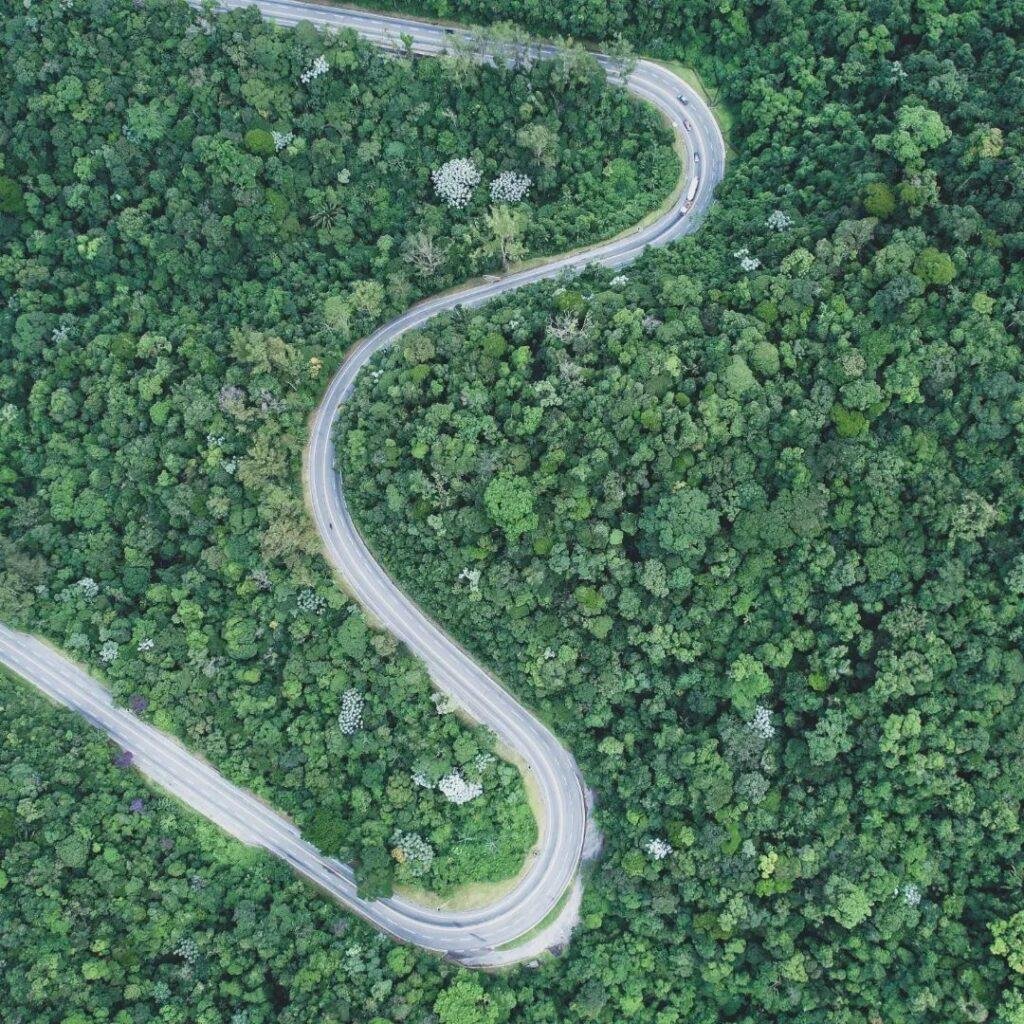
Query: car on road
<point x="696" y="158"/>
<point x="682" y="99"/>
<point x="687" y="125"/>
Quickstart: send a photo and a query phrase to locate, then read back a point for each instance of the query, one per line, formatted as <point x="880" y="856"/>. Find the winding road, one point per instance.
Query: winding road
<point x="472" y="936"/>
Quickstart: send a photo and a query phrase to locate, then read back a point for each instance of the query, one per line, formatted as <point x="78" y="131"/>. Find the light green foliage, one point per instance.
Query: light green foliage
<point x="259" y="141"/>
<point x="1008" y="941"/>
<point x="918" y="129"/>
<point x="509" y="500"/>
<point x="848" y="903"/>
<point x="934" y="267"/>
<point x="748" y="683"/>
<point x="878" y="199"/>
<point x="765" y="359"/>
<point x="466" y="1002"/>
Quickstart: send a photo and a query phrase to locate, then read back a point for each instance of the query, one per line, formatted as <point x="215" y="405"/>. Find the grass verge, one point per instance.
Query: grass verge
<point x="549" y="917"/>
<point x="474" y="895"/>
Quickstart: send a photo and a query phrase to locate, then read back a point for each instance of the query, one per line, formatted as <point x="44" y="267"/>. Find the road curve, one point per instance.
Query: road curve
<point x="473" y="937"/>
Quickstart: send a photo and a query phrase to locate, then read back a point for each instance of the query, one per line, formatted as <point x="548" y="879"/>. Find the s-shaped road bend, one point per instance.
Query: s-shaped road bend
<point x="472" y="936"/>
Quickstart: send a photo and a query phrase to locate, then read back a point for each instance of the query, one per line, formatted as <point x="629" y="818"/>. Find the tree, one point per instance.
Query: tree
<point x="505" y="230"/>
<point x="466" y="1002"/>
<point x="683" y="522"/>
<point x="918" y="129"/>
<point x="541" y="142"/>
<point x="934" y="267"/>
<point x="422" y="251"/>
<point x="260" y="142"/>
<point x="748" y="683"/>
<point x="509" y="501"/>
<point x="848" y="903"/>
<point x="1008" y="941"/>
<point x="12" y="199"/>
<point x="879" y="200"/>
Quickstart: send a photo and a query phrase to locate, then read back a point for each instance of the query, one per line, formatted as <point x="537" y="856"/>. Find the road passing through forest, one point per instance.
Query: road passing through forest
<point x="471" y="936"/>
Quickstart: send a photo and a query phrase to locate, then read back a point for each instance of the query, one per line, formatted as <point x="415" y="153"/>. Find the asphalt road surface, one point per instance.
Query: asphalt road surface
<point x="473" y="937"/>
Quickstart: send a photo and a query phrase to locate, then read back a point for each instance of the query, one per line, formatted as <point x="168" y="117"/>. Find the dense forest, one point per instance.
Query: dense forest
<point x="116" y="905"/>
<point x="197" y="220"/>
<point x="742" y="522"/>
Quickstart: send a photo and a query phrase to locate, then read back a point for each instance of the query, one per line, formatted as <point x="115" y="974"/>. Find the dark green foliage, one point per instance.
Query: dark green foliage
<point x="177" y="282"/>
<point x="12" y="199"/>
<point x="772" y="589"/>
<point x="117" y="905"/>
<point x="843" y="425"/>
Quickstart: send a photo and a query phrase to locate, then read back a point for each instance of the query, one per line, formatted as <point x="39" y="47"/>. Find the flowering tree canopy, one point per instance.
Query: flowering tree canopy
<point x="350" y="718"/>
<point x="457" y="789"/>
<point x="510" y="187"/>
<point x="658" y="849"/>
<point x="455" y="180"/>
<point x="315" y="70"/>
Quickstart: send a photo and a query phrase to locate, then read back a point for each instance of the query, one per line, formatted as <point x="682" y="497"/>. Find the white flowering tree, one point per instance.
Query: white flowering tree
<point x="318" y="68"/>
<point x="455" y="180"/>
<point x="471" y="577"/>
<point x="779" y="220"/>
<point x="747" y="261"/>
<point x="510" y="187"/>
<point x="350" y="718"/>
<point x="761" y="724"/>
<point x="569" y="328"/>
<point x="658" y="849"/>
<point x="413" y="852"/>
<point x="457" y="789"/>
<point x="443" y="703"/>
<point x="188" y="950"/>
<point x="310" y="601"/>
